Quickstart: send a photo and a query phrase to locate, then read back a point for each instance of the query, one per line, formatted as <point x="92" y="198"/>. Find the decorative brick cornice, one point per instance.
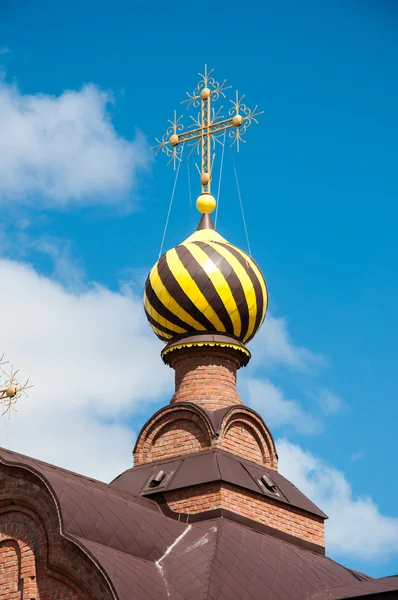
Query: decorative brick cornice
<point x="173" y="431"/>
<point x="184" y="428"/>
<point x="243" y="433"/>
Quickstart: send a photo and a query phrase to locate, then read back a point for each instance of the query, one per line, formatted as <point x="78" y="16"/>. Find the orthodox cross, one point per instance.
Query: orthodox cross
<point x="207" y="127"/>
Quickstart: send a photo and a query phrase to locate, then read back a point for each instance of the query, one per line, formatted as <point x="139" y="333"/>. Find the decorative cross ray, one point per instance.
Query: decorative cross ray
<point x="11" y="389"/>
<point x="169" y="141"/>
<point x="208" y="126"/>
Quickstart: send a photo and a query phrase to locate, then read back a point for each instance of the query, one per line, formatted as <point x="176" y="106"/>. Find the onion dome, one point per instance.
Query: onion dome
<point x="205" y="286"/>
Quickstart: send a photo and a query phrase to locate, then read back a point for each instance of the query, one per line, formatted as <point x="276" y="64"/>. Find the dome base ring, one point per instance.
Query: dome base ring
<point x="199" y="340"/>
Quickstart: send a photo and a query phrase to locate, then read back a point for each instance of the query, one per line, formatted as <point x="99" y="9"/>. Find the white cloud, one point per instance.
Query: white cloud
<point x="274" y="346"/>
<point x="270" y="402"/>
<point x="356" y="527"/>
<point x="93" y="361"/>
<point x="69" y="437"/>
<point x="66" y="269"/>
<point x="329" y="402"/>
<point x="64" y="149"/>
<point x="4" y="51"/>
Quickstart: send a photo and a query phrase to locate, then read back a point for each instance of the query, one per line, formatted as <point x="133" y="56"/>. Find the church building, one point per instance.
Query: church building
<point x="204" y="513"/>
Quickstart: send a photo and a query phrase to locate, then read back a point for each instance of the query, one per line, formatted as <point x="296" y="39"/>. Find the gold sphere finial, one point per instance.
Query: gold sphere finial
<point x="174" y="139"/>
<point x="205" y="178"/>
<point x="11" y="391"/>
<point x="237" y="120"/>
<point x="206" y="203"/>
<point x="205" y="93"/>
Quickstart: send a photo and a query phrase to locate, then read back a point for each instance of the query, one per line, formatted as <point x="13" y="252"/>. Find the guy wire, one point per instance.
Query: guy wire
<point x="189" y="190"/>
<point x="241" y="208"/>
<point x="219" y="181"/>
<point x="171" y="203"/>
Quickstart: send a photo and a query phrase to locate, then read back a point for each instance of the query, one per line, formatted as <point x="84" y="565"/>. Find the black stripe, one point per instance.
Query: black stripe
<point x="161" y="308"/>
<point x="233" y="281"/>
<point x="159" y="326"/>
<point x="254" y="279"/>
<point x="177" y="293"/>
<point x="206" y="286"/>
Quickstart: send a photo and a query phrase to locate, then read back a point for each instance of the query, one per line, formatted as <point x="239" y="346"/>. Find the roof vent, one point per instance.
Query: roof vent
<point x="269" y="484"/>
<point x="157" y="479"/>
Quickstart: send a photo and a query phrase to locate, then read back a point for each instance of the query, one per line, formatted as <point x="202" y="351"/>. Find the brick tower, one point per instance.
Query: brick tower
<point x="206" y="453"/>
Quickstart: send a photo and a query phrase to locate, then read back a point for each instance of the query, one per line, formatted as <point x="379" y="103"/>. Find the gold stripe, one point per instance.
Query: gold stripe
<point x="260" y="278"/>
<point x="192" y="290"/>
<point x="220" y="283"/>
<point x="161" y="291"/>
<point x="161" y="333"/>
<point x="245" y="280"/>
<point x="159" y="319"/>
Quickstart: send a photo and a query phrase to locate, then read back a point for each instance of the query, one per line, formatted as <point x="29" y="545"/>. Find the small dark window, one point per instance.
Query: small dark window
<point x="269" y="484"/>
<point x="157" y="479"/>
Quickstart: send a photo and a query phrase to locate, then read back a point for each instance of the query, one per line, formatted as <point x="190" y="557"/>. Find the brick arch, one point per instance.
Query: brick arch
<point x="24" y="572"/>
<point x="180" y="436"/>
<point x="173" y="431"/>
<point x="244" y="434"/>
<point x="241" y="439"/>
<point x="52" y="564"/>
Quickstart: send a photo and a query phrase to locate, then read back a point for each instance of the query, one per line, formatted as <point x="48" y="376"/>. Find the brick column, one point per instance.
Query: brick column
<point x="206" y="376"/>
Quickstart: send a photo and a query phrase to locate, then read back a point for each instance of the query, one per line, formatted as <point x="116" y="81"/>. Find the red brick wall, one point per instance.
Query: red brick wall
<point x="248" y="504"/>
<point x="243" y="433"/>
<point x="10" y="577"/>
<point x="205" y="376"/>
<point x="176" y="438"/>
<point x="175" y="432"/>
<point x="195" y="499"/>
<point x="240" y="440"/>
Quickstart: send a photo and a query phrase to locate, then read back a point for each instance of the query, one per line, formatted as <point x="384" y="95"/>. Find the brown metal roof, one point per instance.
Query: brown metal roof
<point x="387" y="587"/>
<point x="147" y="555"/>
<point x="221" y="560"/>
<point x="210" y="466"/>
<point x="132" y="577"/>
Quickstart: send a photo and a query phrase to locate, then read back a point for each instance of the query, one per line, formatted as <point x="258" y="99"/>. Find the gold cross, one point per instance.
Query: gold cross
<point x="208" y="126"/>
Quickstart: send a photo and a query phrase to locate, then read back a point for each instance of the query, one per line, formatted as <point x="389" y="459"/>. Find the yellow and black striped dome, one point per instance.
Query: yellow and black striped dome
<point x="205" y="285"/>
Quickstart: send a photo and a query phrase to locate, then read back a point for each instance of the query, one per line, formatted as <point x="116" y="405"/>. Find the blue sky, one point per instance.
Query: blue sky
<point x="83" y="205"/>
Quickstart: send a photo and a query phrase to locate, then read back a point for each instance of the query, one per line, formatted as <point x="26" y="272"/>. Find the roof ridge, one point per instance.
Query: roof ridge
<point x="83" y="540"/>
<point x="35" y="464"/>
<point x="55" y="467"/>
